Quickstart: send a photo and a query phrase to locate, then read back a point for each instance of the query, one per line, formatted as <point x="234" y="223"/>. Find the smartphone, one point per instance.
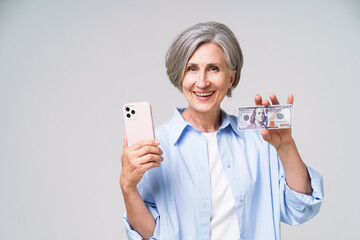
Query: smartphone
<point x="139" y="123"/>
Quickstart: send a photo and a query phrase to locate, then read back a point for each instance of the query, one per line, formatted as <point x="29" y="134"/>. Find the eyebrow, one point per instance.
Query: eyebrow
<point x="209" y="64"/>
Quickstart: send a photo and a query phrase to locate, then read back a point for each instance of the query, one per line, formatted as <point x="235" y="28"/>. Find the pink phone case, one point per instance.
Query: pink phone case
<point x="138" y="122"/>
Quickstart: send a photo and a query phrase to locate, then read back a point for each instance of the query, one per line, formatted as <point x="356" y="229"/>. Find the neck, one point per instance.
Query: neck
<point x="203" y="121"/>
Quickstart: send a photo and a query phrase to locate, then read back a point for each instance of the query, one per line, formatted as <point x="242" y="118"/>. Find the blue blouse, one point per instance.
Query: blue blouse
<point x="178" y="192"/>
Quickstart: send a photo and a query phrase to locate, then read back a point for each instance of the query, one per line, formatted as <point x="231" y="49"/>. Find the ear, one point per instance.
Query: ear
<point x="232" y="77"/>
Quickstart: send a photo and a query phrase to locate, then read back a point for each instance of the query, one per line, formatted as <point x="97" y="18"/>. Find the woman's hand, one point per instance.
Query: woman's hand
<point x="279" y="138"/>
<point x="296" y="174"/>
<point x="136" y="160"/>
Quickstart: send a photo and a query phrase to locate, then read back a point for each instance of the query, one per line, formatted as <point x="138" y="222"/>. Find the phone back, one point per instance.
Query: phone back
<point x="138" y="122"/>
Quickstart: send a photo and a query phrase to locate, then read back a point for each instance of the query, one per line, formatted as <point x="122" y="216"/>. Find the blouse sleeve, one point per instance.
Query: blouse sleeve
<point x="297" y="208"/>
<point x="150" y="204"/>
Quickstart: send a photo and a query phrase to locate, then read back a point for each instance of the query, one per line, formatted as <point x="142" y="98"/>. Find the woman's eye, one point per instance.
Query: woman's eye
<point x="214" y="69"/>
<point x="191" y="69"/>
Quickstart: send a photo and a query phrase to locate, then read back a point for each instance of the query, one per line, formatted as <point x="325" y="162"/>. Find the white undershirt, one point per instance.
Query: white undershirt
<point x="223" y="222"/>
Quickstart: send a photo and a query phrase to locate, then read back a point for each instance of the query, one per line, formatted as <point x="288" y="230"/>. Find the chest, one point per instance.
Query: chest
<point x="186" y="172"/>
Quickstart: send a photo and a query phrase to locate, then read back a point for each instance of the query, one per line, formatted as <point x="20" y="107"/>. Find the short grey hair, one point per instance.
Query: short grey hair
<point x="191" y="38"/>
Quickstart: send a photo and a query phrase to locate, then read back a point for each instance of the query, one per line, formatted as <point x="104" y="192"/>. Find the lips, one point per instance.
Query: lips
<point x="204" y="94"/>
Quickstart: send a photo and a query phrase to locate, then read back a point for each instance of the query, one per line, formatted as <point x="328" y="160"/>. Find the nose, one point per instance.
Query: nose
<point x="202" y="81"/>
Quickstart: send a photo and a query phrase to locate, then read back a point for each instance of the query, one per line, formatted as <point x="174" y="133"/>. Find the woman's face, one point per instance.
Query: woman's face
<point x="207" y="78"/>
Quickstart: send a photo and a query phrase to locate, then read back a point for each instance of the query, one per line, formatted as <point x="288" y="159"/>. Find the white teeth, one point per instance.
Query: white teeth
<point x="204" y="94"/>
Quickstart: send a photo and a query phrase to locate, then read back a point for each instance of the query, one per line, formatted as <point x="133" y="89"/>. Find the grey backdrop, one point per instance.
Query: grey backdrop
<point x="67" y="67"/>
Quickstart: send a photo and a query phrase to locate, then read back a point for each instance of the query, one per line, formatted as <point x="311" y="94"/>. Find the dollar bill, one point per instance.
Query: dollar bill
<point x="261" y="117"/>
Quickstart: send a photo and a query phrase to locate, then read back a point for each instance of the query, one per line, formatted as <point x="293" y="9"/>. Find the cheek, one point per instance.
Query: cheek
<point x="185" y="86"/>
<point x="225" y="83"/>
<point x="224" y="86"/>
<point x="186" y="82"/>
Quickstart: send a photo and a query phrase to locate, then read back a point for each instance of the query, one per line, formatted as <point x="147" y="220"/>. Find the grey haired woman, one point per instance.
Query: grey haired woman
<point x="202" y="178"/>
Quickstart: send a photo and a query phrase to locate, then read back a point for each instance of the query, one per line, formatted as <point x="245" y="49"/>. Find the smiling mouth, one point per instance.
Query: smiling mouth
<point x="207" y="94"/>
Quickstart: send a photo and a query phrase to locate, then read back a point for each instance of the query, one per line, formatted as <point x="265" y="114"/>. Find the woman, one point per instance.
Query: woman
<point x="202" y="178"/>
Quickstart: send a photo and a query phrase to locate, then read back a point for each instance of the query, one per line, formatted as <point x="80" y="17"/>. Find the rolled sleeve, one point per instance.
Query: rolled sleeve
<point x="300" y="207"/>
<point x="133" y="235"/>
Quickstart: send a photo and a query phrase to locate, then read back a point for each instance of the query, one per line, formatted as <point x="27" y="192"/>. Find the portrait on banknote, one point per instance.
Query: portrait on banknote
<point x="257" y="119"/>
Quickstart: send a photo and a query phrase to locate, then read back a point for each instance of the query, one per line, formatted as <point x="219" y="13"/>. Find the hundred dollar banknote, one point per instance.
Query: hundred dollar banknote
<point x="261" y="117"/>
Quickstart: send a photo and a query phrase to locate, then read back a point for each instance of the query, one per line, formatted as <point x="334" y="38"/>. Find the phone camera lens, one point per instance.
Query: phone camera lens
<point x="133" y="111"/>
<point x="127" y="109"/>
<point x="128" y="115"/>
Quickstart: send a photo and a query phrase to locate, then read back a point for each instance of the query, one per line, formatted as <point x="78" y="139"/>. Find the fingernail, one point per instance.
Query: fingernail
<point x="156" y="141"/>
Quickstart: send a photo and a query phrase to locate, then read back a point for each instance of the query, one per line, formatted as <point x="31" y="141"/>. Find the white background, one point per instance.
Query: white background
<point x="67" y="67"/>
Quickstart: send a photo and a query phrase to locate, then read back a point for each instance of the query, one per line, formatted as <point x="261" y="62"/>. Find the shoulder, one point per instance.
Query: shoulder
<point x="162" y="132"/>
<point x="166" y="133"/>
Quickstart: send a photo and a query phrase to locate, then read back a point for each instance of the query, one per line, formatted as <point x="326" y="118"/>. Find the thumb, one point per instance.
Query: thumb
<point x="125" y="143"/>
<point x="266" y="135"/>
<point x="125" y="146"/>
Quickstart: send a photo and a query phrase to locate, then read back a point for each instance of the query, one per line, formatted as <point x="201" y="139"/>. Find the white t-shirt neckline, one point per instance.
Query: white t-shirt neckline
<point x="223" y="221"/>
